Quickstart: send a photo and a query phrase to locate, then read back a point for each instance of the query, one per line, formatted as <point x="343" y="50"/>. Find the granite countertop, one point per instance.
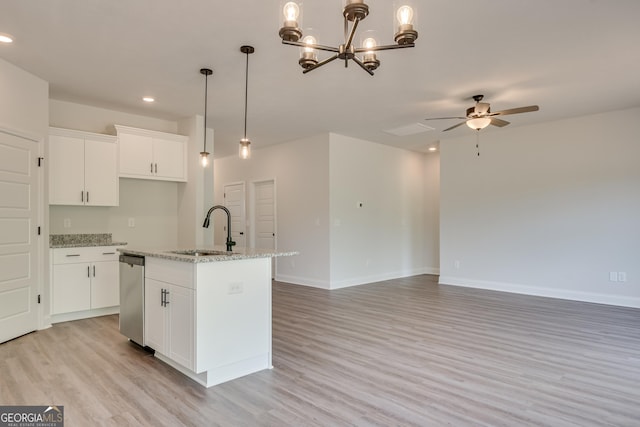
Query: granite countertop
<point x="220" y="255"/>
<point x="82" y="240"/>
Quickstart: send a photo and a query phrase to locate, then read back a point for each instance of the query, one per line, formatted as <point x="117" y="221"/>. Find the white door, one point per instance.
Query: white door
<point x="265" y="217"/>
<point x="234" y="201"/>
<point x="19" y="176"/>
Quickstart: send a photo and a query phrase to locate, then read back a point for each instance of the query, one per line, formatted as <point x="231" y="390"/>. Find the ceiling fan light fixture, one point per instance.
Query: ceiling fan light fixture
<point x="479" y="123"/>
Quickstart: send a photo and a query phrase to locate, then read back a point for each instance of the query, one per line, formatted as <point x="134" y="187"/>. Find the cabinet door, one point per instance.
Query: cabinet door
<point x="136" y="155"/>
<point x="105" y="289"/>
<point x="181" y="326"/>
<point x="71" y="288"/>
<point x="66" y="170"/>
<point x="169" y="156"/>
<point x="155" y="318"/>
<point x="101" y="173"/>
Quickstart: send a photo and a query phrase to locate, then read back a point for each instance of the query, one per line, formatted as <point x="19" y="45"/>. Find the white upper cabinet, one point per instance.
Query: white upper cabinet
<point x="83" y="168"/>
<point x="149" y="154"/>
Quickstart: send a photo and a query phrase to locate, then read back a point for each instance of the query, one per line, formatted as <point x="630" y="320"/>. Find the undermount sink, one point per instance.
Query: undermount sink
<point x="200" y="252"/>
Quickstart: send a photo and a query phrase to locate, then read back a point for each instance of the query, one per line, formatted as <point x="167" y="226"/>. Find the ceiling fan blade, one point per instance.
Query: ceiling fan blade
<point x="498" y="122"/>
<point x="454" y="126"/>
<point x="445" y="118"/>
<point x="516" y="110"/>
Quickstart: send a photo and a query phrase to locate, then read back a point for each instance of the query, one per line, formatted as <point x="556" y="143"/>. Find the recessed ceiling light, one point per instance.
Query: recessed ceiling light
<point x="5" y="38"/>
<point x="433" y="149"/>
<point x="148" y="99"/>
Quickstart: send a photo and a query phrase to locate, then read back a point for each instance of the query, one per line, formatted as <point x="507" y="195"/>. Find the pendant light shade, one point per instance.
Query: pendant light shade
<point x="244" y="150"/>
<point x="204" y="154"/>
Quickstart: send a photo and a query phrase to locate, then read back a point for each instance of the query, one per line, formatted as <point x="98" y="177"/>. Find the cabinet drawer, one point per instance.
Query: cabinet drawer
<point x="175" y="272"/>
<point x="88" y="254"/>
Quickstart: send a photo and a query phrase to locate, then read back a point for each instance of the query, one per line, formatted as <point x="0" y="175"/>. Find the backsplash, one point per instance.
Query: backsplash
<point x="57" y="240"/>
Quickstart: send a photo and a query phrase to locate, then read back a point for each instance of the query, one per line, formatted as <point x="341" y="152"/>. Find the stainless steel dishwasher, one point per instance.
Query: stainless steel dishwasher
<point x="132" y="297"/>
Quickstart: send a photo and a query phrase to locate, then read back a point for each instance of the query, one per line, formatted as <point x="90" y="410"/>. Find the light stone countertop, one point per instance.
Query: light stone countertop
<point x="82" y="240"/>
<point x="222" y="255"/>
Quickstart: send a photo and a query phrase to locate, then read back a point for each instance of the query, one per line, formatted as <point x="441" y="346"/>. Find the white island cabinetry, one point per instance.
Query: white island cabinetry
<point x="210" y="320"/>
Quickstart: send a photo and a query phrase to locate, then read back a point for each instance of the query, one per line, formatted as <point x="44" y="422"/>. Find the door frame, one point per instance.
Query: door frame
<point x="224" y="203"/>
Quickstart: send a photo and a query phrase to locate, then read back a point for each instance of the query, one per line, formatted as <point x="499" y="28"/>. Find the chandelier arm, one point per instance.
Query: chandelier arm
<point x="320" y="64"/>
<point x="385" y="47"/>
<point x="352" y="34"/>
<point x="312" y="46"/>
<point x="357" y="61"/>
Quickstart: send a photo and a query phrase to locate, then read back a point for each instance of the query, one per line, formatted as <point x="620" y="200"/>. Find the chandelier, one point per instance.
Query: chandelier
<point x="354" y="12"/>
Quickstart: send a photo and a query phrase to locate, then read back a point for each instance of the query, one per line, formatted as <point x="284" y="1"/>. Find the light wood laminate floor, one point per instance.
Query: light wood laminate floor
<point x="396" y="353"/>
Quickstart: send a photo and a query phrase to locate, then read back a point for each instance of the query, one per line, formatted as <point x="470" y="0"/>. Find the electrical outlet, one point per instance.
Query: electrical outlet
<point x="456" y="264"/>
<point x="622" y="276"/>
<point x="132" y="222"/>
<point x="67" y="223"/>
<point x="613" y="276"/>
<point x="235" y="288"/>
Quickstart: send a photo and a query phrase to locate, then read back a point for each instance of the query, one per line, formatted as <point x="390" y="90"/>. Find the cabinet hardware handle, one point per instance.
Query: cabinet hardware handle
<point x="151" y="167"/>
<point x="165" y="297"/>
<point x="82" y="196"/>
<point x="156" y="168"/>
<point x="162" y="297"/>
<point x="94" y="271"/>
<point x="88" y="272"/>
<point x="108" y="253"/>
<point x="73" y="255"/>
<point x="87" y="197"/>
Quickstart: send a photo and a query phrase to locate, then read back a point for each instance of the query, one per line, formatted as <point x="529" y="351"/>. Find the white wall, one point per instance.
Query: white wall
<point x="387" y="237"/>
<point x="152" y="204"/>
<point x="301" y="173"/>
<point x="548" y="209"/>
<point x="319" y="182"/>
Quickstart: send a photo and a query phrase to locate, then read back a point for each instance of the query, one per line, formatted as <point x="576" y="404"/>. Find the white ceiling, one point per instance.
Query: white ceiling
<point x="571" y="57"/>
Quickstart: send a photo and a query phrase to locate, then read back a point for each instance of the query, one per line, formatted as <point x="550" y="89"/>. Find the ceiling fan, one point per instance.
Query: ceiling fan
<point x="480" y="115"/>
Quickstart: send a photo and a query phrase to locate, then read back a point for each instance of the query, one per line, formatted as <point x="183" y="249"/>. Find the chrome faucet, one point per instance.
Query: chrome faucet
<point x="230" y="243"/>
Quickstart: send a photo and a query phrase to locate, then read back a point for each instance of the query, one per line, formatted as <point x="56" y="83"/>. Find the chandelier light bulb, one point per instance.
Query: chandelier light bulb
<point x="369" y="43"/>
<point x="309" y="40"/>
<point x="405" y="15"/>
<point x="291" y="12"/>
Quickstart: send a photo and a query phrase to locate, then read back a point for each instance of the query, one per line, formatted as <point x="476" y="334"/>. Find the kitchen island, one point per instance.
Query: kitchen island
<point x="208" y="311"/>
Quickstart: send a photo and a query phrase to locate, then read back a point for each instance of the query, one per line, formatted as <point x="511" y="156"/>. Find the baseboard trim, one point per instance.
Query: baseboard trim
<point x="355" y="281"/>
<point x="618" y="300"/>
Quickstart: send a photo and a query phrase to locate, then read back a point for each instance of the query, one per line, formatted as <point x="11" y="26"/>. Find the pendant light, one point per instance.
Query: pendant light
<point x="245" y="145"/>
<point x="204" y="155"/>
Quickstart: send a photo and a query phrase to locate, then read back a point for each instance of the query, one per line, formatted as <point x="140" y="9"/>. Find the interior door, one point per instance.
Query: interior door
<point x="19" y="176"/>
<point x="265" y="218"/>
<point x="234" y="200"/>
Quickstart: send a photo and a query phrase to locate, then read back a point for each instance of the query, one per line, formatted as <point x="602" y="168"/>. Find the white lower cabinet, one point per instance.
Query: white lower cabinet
<point x="84" y="279"/>
<point x="169" y="321"/>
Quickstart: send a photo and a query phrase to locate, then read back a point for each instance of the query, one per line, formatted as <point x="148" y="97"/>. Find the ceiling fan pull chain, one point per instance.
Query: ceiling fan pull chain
<point x="478" y="142"/>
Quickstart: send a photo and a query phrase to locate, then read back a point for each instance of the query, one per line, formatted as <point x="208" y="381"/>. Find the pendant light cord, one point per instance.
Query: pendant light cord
<point x="246" y="94"/>
<point x="206" y="92"/>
